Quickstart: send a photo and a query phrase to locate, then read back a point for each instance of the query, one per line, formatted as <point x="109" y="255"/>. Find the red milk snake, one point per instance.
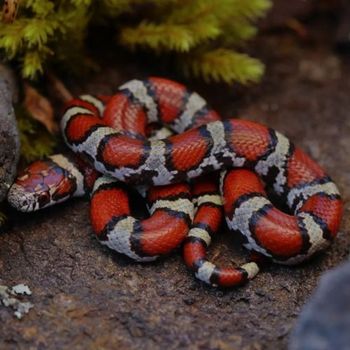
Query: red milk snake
<point x="112" y="134"/>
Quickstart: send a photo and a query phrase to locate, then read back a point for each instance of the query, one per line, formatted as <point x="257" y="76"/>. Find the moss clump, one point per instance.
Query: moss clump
<point x="201" y="34"/>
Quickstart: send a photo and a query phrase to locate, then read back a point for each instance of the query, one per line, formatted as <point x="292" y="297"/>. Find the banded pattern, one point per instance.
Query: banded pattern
<point x="171" y="213"/>
<point x="219" y="145"/>
<point x="132" y="119"/>
<point x="171" y="207"/>
<point x="206" y="224"/>
<point x="286" y="239"/>
<point x="117" y="145"/>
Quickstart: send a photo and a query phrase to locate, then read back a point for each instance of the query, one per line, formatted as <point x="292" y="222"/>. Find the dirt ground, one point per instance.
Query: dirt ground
<point x="86" y="297"/>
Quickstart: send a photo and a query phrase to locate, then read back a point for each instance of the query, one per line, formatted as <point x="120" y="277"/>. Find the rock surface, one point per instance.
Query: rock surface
<point x="325" y="321"/>
<point x="9" y="139"/>
<point x="87" y="297"/>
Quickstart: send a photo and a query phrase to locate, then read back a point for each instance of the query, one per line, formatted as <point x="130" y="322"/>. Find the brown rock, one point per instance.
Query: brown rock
<point x="9" y="139"/>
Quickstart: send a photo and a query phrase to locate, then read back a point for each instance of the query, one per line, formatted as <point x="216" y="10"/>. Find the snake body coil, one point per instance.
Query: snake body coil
<point x="113" y="135"/>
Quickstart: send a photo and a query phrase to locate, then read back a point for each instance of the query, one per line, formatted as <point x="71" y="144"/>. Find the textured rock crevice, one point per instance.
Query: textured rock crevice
<point x="9" y="138"/>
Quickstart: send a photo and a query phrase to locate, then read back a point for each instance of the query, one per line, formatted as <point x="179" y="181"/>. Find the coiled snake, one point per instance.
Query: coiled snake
<point x="119" y="136"/>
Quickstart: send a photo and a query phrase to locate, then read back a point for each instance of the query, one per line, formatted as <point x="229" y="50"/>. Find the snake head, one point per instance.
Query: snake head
<point x="42" y="184"/>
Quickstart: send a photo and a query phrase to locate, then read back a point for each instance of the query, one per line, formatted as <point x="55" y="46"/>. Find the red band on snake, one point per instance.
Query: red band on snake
<point x="111" y="134"/>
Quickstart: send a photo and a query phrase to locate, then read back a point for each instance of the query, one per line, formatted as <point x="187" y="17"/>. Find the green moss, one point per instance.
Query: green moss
<point x="203" y="35"/>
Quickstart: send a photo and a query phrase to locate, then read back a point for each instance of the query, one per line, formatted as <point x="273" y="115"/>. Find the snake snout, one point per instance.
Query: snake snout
<point x="21" y="199"/>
